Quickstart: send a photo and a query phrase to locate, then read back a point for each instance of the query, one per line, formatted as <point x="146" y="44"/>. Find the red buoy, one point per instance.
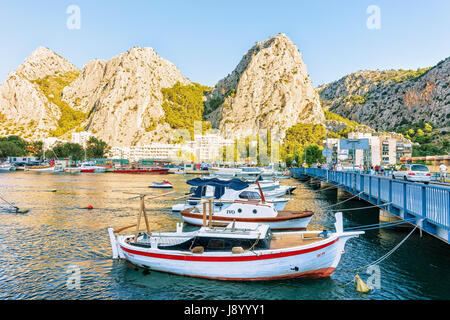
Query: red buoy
<point x="90" y="207"/>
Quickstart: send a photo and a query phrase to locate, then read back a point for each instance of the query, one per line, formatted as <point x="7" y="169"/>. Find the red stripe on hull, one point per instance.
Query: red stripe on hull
<point x="227" y="258"/>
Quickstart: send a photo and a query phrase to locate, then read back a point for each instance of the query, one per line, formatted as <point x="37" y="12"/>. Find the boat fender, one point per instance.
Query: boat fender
<point x="237" y="250"/>
<point x="361" y="286"/>
<point x="198" y="250"/>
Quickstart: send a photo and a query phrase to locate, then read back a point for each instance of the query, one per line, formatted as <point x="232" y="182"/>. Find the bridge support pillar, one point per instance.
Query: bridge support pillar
<point x="386" y="216"/>
<point x="324" y="184"/>
<point x="342" y="194"/>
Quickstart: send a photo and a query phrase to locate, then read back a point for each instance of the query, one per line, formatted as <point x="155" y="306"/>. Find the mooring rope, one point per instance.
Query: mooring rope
<point x="361" y="208"/>
<point x="379" y="260"/>
<point x="387" y="255"/>
<point x="356" y="195"/>
<point x="331" y="187"/>
<point x="378" y="225"/>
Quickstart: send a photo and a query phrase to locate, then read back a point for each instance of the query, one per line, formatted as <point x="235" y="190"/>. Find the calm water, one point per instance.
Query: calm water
<point x="37" y="249"/>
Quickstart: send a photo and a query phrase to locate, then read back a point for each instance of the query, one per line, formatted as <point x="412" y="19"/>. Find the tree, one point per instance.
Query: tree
<point x="96" y="148"/>
<point x="10" y="149"/>
<point x="313" y="154"/>
<point x="12" y="146"/>
<point x="73" y="151"/>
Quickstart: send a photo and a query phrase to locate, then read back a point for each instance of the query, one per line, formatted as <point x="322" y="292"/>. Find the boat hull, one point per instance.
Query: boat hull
<point x="278" y="203"/>
<point x="7" y="169"/>
<point x="142" y="171"/>
<point x="288" y="222"/>
<point x="309" y="261"/>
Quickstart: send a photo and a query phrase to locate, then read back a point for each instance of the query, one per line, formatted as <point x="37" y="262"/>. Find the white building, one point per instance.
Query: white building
<point x="385" y="149"/>
<point x="208" y="147"/>
<point x="152" y="151"/>
<point x="81" y="137"/>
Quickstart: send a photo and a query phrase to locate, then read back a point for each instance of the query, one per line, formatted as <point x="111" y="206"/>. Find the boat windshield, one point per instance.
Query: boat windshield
<point x="249" y="195"/>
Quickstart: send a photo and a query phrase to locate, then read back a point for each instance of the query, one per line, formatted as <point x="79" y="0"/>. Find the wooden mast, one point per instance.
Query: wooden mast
<point x="143" y="212"/>
<point x="210" y="213"/>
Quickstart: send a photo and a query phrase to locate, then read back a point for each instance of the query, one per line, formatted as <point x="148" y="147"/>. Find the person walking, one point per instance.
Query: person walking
<point x="443" y="172"/>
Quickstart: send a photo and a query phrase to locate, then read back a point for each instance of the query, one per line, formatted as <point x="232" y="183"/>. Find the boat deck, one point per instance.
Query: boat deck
<point x="291" y="240"/>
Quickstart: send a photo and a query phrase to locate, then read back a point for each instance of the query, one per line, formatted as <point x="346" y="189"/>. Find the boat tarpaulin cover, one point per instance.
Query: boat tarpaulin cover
<point x="235" y="184"/>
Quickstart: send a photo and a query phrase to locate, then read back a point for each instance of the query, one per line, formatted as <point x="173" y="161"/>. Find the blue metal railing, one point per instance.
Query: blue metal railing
<point x="405" y="199"/>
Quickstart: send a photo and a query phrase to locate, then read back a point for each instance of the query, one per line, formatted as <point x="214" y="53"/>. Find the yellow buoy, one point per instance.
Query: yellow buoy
<point x="360" y="285"/>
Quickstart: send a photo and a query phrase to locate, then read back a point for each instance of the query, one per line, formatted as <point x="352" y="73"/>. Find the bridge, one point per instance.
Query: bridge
<point x="425" y="206"/>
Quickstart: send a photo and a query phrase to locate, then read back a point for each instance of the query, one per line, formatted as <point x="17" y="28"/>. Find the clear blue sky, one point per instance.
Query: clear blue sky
<point x="206" y="39"/>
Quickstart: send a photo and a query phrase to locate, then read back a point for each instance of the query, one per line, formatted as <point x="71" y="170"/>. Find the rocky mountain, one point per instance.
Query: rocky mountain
<point x="269" y="89"/>
<point x="385" y="100"/>
<point x="123" y="97"/>
<point x="123" y="101"/>
<point x="24" y="107"/>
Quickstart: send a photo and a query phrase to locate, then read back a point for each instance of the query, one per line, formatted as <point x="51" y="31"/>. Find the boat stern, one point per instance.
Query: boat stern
<point x="114" y="240"/>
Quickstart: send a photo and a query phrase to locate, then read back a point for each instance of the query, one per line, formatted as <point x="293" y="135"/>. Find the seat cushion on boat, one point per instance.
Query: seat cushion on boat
<point x="198" y="250"/>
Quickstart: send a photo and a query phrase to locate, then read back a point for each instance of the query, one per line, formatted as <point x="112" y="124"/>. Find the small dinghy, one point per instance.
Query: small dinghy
<point x="161" y="185"/>
<point x="239" y="251"/>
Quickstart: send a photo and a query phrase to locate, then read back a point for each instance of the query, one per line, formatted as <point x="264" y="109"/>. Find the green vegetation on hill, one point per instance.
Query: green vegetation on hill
<point x="343" y="133"/>
<point x="183" y="105"/>
<point x="303" y="142"/>
<point x="52" y="87"/>
<point x="430" y="141"/>
<point x="400" y="75"/>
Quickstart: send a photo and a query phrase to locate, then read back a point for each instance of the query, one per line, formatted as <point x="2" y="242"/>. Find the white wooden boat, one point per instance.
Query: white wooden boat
<point x="161" y="185"/>
<point x="240" y="251"/>
<point x="253" y="211"/>
<point x="41" y="168"/>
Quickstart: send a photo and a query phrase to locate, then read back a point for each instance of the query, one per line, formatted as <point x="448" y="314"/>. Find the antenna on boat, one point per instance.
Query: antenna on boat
<point x="261" y="193"/>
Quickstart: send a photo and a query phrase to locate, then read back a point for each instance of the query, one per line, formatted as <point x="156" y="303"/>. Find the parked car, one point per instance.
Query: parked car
<point x="413" y="172"/>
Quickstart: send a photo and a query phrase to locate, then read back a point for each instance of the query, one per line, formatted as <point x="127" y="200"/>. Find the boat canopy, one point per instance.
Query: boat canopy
<point x="235" y="184"/>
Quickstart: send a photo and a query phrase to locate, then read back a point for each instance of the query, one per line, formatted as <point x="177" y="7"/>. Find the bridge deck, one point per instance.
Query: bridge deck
<point x="406" y="200"/>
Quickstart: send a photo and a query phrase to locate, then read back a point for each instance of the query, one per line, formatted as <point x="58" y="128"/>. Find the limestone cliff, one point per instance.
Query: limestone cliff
<point x="123" y="97"/>
<point x="269" y="89"/>
<point x="24" y="108"/>
<point x="386" y="99"/>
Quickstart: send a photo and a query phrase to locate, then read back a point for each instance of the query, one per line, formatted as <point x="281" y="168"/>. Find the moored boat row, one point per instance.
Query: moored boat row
<point x="239" y="236"/>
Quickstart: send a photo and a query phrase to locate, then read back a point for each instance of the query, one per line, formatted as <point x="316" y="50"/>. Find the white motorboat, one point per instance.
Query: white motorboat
<point x="72" y="170"/>
<point x="6" y="167"/>
<point x="239" y="251"/>
<point x="91" y="167"/>
<point x="227" y="191"/>
<point x="161" y="185"/>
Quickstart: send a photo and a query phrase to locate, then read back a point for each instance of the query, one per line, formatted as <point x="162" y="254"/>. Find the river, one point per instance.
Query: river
<point x="40" y="249"/>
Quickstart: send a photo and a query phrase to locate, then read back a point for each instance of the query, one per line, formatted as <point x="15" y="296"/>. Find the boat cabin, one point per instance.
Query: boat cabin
<point x="236" y="234"/>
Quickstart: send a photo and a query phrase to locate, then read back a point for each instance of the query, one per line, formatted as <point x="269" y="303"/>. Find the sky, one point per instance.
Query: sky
<point x="207" y="39"/>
